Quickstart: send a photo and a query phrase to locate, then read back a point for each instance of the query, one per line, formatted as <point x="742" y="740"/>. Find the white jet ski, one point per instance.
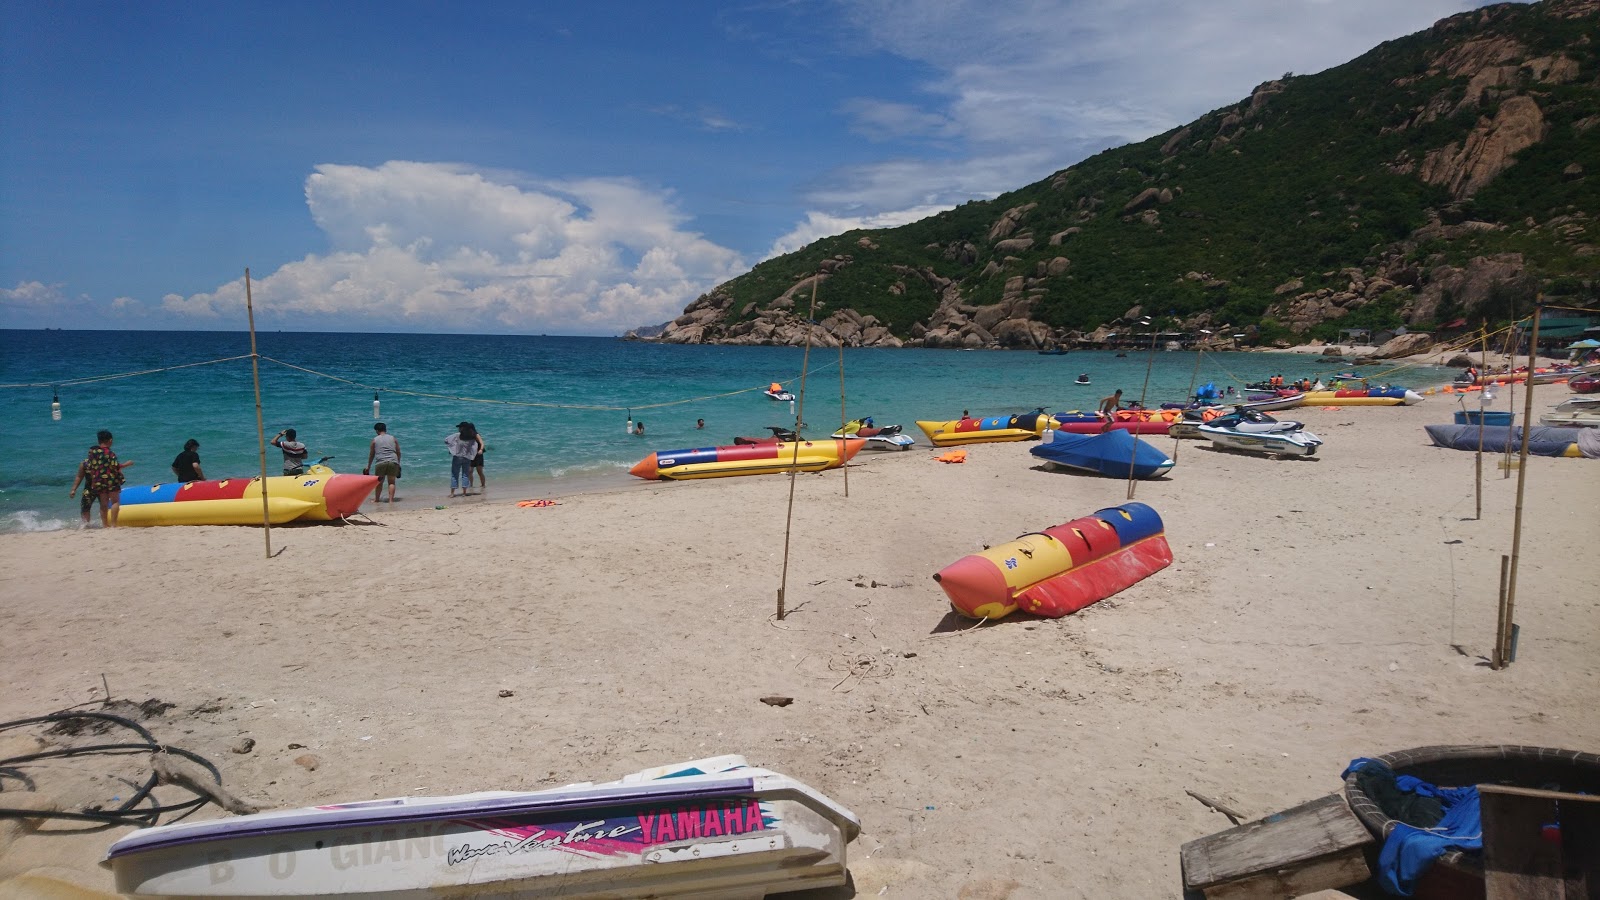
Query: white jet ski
<point x="1253" y="431"/>
<point x="887" y="437"/>
<point x="714" y="828"/>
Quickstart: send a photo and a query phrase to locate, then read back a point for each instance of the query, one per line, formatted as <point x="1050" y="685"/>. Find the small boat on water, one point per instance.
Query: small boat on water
<point x="708" y="828"/>
<point x="888" y="437"/>
<point x="318" y="495"/>
<point x="1058" y="351"/>
<point x="746" y="459"/>
<point x="1115" y="453"/>
<point x="1253" y="431"/>
<point x="776" y="392"/>
<point x="1082" y="379"/>
<point x="967" y="430"/>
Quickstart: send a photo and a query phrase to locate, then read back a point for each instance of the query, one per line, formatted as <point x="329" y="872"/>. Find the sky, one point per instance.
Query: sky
<point x="577" y="168"/>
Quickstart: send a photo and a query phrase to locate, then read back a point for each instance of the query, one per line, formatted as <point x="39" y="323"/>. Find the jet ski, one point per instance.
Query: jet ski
<point x="776" y="392"/>
<point x="1083" y="379"/>
<point x="716" y="827"/>
<point x="780" y="434"/>
<point x="887" y="437"/>
<point x="1193" y="418"/>
<point x="1253" y="431"/>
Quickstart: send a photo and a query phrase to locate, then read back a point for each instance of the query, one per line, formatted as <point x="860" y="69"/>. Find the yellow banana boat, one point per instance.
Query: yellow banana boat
<point x="967" y="430"/>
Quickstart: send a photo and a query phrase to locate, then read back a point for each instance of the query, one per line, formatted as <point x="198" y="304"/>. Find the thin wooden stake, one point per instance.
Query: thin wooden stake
<point x="799" y="420"/>
<point x="1522" y="474"/>
<point x="1193" y="377"/>
<point x="1142" y="392"/>
<point x="1483" y="357"/>
<point x="261" y="429"/>
<point x="1502" y="630"/>
<point x="843" y="421"/>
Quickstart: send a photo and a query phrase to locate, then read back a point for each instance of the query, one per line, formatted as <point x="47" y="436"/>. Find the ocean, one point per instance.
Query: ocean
<point x="579" y="391"/>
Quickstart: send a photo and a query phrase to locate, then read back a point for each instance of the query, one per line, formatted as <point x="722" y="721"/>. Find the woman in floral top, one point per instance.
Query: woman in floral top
<point x="104" y="476"/>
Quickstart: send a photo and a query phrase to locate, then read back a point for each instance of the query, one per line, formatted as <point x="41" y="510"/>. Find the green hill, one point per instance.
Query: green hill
<point x="1450" y="174"/>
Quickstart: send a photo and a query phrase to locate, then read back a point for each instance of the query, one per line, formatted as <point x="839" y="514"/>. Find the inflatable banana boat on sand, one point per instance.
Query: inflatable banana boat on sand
<point x="319" y="495"/>
<point x="747" y="459"/>
<point x="967" y="430"/>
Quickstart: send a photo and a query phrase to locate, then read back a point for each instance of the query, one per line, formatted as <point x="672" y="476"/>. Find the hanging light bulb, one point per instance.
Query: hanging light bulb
<point x="55" y="406"/>
<point x="374" y="404"/>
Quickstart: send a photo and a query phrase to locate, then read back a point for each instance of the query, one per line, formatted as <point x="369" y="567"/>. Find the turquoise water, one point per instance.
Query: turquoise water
<point x="532" y="448"/>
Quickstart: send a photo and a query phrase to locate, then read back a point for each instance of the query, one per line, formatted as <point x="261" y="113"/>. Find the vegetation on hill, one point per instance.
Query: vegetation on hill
<point x="1374" y="193"/>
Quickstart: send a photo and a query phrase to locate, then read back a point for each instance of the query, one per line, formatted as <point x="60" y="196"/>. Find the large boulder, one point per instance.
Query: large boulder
<point x="1489" y="149"/>
<point x="1470" y="288"/>
<point x="1023" y="333"/>
<point x="1404" y="345"/>
<point x="1145" y="198"/>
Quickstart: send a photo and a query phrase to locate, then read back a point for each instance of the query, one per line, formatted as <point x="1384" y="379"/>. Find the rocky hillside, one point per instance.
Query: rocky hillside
<point x="1451" y="174"/>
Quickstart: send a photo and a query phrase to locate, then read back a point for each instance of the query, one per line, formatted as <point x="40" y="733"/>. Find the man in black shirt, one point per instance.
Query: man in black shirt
<point x="187" y="465"/>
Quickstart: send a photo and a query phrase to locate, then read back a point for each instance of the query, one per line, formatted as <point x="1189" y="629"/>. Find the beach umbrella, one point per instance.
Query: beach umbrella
<point x="1587" y="344"/>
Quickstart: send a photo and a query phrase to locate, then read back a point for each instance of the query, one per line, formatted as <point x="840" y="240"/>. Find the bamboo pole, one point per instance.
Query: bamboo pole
<point x="799" y="420"/>
<point x="1483" y="357"/>
<point x="261" y="429"/>
<point x="1193" y="377"/>
<point x="842" y="420"/>
<point x="1142" y="392"/>
<point x="1522" y="477"/>
<point x="1502" y="630"/>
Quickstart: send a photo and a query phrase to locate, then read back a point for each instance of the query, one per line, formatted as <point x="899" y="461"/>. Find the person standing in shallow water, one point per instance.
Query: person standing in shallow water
<point x="464" y="446"/>
<point x="477" y="461"/>
<point x="104" y="473"/>
<point x="383" y="460"/>
<point x="88" y="496"/>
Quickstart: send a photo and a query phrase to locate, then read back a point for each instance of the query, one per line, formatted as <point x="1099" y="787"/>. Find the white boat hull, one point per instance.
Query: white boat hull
<point x="884" y="442"/>
<point x="732" y="834"/>
<point x="1292" y="443"/>
<point x="1275" y="403"/>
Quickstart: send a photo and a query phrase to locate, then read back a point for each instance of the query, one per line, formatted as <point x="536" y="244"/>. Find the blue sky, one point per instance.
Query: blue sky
<point x="573" y="168"/>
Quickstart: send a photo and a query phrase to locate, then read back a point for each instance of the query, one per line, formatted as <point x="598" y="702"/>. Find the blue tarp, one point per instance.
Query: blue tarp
<point x="1408" y="851"/>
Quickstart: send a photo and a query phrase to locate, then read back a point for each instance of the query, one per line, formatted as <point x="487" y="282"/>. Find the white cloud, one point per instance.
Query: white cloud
<point x="820" y="225"/>
<point x="32" y="295"/>
<point x="437" y="246"/>
<point x="881" y="120"/>
<point x="1021" y="89"/>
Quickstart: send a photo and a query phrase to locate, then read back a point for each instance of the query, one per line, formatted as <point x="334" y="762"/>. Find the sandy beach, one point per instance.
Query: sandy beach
<point x="1317" y="610"/>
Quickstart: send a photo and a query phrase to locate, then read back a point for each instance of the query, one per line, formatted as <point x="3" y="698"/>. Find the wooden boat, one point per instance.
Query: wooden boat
<point x="708" y="828"/>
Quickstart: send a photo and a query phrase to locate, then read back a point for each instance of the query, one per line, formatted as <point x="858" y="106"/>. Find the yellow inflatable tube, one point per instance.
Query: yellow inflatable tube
<point x="214" y="512"/>
<point x="967" y="430"/>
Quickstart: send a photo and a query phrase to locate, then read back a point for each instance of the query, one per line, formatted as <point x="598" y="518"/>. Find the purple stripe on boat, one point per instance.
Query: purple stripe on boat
<point x="392" y="813"/>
